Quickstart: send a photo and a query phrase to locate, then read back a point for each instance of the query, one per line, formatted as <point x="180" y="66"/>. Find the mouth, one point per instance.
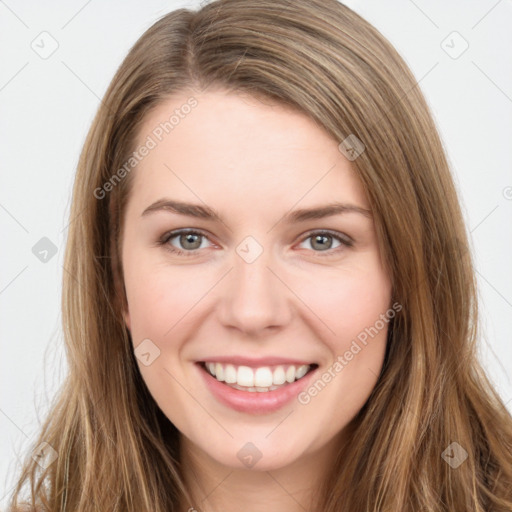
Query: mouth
<point x="259" y="379"/>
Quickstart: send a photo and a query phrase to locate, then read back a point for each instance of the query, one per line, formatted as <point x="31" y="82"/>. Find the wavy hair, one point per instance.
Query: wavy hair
<point x="116" y="450"/>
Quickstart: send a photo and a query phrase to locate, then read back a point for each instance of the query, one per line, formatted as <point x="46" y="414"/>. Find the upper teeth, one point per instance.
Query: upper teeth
<point x="262" y="377"/>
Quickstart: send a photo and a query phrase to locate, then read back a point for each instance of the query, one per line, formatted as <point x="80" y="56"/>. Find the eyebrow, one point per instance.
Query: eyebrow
<point x="294" y="216"/>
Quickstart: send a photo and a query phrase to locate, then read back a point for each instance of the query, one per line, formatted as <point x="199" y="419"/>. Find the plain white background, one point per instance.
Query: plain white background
<point x="47" y="105"/>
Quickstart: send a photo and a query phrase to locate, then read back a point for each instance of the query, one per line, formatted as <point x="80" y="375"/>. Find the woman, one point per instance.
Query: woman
<point x="251" y="371"/>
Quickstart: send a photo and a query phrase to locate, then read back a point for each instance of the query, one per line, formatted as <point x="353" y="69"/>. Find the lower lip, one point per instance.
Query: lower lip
<point x="254" y="402"/>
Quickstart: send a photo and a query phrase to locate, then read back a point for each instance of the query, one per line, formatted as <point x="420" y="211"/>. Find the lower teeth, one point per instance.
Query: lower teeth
<point x="254" y="389"/>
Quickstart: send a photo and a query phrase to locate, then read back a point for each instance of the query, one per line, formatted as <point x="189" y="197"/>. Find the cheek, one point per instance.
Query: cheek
<point x="350" y="301"/>
<point x="157" y="299"/>
<point x="353" y="307"/>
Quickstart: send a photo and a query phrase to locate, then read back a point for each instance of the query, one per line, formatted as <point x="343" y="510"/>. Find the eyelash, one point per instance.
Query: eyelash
<point x="165" y="239"/>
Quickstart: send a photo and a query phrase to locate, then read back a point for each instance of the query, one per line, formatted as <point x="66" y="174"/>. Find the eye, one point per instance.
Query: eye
<point x="322" y="240"/>
<point x="189" y="239"/>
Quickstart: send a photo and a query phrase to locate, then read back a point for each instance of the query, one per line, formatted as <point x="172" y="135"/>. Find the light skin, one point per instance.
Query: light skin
<point x="303" y="297"/>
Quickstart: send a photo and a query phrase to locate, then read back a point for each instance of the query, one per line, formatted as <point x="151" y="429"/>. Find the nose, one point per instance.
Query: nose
<point x="254" y="299"/>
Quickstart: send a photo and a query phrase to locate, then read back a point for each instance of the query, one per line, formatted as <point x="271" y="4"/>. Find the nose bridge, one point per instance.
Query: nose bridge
<point x="254" y="298"/>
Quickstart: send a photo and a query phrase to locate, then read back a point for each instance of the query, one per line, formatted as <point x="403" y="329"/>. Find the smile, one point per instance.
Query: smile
<point x="255" y="389"/>
<point x="260" y="379"/>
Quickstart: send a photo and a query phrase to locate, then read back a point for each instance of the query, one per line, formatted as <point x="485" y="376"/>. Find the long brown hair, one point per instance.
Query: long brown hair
<point x="115" y="448"/>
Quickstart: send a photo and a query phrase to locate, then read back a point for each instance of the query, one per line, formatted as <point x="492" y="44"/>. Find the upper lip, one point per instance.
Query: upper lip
<point x="255" y="361"/>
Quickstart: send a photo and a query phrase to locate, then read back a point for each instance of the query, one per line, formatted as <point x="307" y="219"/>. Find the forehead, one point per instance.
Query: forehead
<point x="241" y="149"/>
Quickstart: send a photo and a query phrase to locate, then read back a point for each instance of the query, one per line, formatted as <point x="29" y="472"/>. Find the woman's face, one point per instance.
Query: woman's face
<point x="259" y="291"/>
